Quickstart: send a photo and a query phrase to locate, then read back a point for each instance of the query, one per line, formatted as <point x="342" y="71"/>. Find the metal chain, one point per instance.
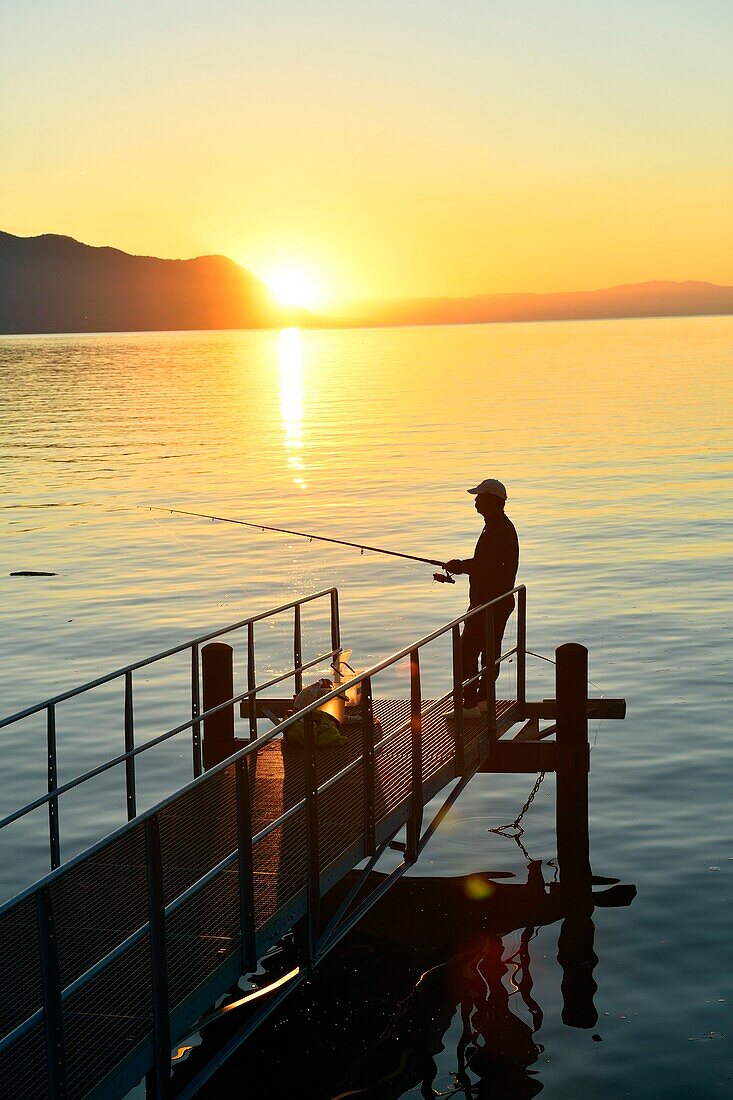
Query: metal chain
<point x="514" y="828"/>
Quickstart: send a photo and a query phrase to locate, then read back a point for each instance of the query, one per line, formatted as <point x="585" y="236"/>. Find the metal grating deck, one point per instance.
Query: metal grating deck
<point x="101" y="900"/>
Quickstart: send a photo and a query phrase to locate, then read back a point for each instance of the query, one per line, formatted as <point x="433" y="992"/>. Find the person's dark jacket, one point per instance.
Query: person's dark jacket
<point x="493" y="567"/>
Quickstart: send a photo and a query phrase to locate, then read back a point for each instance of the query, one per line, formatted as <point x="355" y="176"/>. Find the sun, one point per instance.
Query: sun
<point x="293" y="287"/>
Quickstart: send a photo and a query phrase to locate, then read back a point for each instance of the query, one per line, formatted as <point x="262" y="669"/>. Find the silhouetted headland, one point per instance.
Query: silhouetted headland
<point x="52" y="283"/>
<point x="56" y="284"/>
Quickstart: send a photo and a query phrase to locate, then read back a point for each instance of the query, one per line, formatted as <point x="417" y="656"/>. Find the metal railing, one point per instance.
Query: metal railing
<point x="242" y="933"/>
<point x="131" y="750"/>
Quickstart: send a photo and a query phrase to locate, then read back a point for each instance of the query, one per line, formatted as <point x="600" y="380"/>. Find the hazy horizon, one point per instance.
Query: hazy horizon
<point x="408" y="294"/>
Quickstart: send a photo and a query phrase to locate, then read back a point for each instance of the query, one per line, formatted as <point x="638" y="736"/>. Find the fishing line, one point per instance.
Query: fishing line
<point x="592" y="683"/>
<point x="550" y="661"/>
<point x="531" y="653"/>
<point x="207" y="561"/>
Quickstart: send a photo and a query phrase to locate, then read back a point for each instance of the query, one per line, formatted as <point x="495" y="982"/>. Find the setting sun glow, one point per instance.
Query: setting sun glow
<point x="293" y="287"/>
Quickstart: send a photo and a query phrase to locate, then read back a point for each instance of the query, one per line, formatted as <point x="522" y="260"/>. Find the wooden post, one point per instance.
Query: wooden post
<point x="218" y="673"/>
<point x="573" y="762"/>
<point x="575" y="943"/>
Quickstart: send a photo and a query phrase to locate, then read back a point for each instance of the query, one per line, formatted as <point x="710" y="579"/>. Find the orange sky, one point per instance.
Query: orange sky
<point x="382" y="148"/>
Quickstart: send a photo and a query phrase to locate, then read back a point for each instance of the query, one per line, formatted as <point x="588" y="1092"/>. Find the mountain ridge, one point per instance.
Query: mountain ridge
<point x="658" y="297"/>
<point x="54" y="283"/>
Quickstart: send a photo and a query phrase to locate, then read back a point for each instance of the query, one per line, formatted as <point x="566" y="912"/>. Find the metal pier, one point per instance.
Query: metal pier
<point x="110" y="960"/>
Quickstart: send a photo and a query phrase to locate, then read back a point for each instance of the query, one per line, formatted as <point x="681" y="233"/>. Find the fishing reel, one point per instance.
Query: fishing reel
<point x="444" y="578"/>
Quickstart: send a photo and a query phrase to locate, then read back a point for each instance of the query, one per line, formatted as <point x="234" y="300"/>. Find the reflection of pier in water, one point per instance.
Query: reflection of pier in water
<point x="381" y="1008"/>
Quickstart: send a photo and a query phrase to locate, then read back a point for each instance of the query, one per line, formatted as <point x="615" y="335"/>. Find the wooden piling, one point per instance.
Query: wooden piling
<point x="217" y="662"/>
<point x="572" y="762"/>
<point x="575" y="944"/>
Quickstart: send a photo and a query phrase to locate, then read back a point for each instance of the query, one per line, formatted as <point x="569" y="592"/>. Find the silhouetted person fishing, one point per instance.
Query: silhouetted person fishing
<point x="492" y="571"/>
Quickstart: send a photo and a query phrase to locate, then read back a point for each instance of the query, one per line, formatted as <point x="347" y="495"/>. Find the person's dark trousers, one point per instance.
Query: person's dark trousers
<point x="473" y="642"/>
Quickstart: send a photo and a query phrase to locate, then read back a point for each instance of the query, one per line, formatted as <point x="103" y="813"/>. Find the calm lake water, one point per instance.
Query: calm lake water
<point x="613" y="438"/>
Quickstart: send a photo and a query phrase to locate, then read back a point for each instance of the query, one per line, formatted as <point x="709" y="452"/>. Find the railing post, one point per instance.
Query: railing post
<point x="458" y="727"/>
<point x="521" y="651"/>
<point x="369" y="767"/>
<point x="313" y="882"/>
<point x="297" y="651"/>
<point x="251" y="681"/>
<point x="414" y="823"/>
<point x="335" y="621"/>
<point x="53" y="1015"/>
<point x="490" y="656"/>
<point x="129" y="746"/>
<point x="247" y="927"/>
<point x="54" y="838"/>
<point x="195" y="712"/>
<point x="158" y="1079"/>
<point x="218" y="669"/>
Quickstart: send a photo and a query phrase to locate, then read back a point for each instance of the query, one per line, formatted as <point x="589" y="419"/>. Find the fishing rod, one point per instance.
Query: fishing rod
<point x="444" y="578"/>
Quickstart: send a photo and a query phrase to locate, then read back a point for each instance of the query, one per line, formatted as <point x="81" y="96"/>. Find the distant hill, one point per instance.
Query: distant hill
<point x="654" y="299"/>
<point x="55" y="284"/>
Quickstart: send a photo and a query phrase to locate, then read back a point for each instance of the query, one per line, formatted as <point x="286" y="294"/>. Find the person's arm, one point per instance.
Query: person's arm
<point x="458" y="565"/>
<point x="469" y="565"/>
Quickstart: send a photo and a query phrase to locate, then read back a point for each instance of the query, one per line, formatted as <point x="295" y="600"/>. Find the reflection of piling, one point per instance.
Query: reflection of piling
<point x="575" y="944"/>
<point x="218" y="675"/>
<point x="578" y="960"/>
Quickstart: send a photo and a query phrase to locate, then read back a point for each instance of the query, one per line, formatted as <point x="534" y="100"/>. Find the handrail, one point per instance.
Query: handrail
<point x="255" y="746"/>
<point x="115" y="761"/>
<point x="159" y="911"/>
<point x="55" y="790"/>
<point x="55" y="699"/>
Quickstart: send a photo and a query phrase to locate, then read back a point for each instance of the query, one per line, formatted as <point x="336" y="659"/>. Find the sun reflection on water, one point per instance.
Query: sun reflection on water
<point x="291" y="400"/>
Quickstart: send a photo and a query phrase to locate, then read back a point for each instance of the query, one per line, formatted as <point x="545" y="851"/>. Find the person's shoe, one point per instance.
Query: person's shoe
<point x="483" y="706"/>
<point x="468" y="712"/>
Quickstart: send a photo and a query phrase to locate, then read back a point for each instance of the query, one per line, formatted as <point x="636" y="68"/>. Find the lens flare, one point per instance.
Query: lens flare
<point x="478" y="888"/>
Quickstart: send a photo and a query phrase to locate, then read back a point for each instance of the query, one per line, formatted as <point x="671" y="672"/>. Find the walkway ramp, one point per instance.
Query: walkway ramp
<point x="99" y="905"/>
<point x="111" y="959"/>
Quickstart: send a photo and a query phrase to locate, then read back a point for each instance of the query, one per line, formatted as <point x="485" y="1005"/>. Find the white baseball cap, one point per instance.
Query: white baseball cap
<point x="490" y="485"/>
